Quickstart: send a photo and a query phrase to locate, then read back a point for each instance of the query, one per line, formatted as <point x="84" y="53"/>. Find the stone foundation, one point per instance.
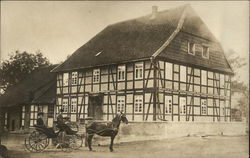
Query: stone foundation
<point x="139" y="131"/>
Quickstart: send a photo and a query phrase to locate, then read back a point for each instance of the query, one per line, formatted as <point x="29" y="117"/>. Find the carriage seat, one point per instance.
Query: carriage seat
<point x="48" y="131"/>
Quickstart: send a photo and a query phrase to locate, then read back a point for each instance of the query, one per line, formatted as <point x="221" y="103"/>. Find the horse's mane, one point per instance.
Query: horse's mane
<point x="115" y="118"/>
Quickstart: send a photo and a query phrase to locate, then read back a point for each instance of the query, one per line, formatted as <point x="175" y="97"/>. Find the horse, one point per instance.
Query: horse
<point x="109" y="129"/>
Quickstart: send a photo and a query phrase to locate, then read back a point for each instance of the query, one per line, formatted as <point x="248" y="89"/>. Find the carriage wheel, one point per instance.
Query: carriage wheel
<point x="77" y="141"/>
<point x="66" y="147"/>
<point x="38" y="141"/>
<point x="27" y="145"/>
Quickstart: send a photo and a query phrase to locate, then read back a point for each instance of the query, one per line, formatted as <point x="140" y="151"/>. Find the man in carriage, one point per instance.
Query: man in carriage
<point x="39" y="121"/>
<point x="62" y="122"/>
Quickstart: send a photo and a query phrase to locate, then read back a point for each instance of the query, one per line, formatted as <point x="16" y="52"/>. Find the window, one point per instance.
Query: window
<point x="23" y="115"/>
<point x="120" y="103"/>
<point x="182" y="106"/>
<point x="168" y="104"/>
<point x="74" y="78"/>
<point x="138" y="104"/>
<point x="65" y="79"/>
<point x="191" y="48"/>
<point x="6" y="119"/>
<point x="121" y="72"/>
<point x="73" y="105"/>
<point x="65" y="105"/>
<point x="96" y="75"/>
<point x="139" y="70"/>
<point x="205" y="52"/>
<point x="183" y="73"/>
<point x="169" y="71"/>
<point x="39" y="108"/>
<point x="51" y="111"/>
<point x="203" y="77"/>
<point x="204" y="106"/>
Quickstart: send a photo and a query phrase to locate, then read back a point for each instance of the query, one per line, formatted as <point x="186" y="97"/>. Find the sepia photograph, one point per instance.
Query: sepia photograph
<point x="124" y="79"/>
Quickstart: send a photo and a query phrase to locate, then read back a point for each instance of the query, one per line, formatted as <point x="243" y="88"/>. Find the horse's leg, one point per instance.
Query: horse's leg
<point x="111" y="143"/>
<point x="90" y="136"/>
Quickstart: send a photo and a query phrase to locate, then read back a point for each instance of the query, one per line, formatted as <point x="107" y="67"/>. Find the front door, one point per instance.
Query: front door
<point x="95" y="106"/>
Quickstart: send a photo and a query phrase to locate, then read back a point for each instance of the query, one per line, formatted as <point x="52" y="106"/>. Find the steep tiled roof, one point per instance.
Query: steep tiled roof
<point x="34" y="88"/>
<point x="139" y="39"/>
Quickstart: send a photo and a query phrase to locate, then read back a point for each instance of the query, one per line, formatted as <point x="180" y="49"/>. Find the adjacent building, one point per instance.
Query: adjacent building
<point x="20" y="103"/>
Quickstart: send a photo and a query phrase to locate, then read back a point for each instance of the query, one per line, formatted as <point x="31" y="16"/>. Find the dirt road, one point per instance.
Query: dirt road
<point x="184" y="147"/>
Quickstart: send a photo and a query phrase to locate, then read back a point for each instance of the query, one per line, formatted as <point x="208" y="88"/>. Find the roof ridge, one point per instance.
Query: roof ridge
<point x="177" y="30"/>
<point x="149" y="14"/>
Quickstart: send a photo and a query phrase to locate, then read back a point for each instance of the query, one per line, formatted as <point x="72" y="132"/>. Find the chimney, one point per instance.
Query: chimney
<point x="154" y="12"/>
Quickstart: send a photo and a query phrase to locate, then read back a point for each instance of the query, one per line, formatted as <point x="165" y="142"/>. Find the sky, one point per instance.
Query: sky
<point x="58" y="28"/>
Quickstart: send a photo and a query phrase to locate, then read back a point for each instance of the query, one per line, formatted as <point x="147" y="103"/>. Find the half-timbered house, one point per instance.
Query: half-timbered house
<point x="20" y="104"/>
<point x="163" y="66"/>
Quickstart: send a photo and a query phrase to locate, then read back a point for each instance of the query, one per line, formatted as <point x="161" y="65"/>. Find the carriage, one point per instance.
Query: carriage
<point x="38" y="140"/>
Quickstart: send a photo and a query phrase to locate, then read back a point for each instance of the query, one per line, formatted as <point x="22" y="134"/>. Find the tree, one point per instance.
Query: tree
<point x="237" y="63"/>
<point x="19" y="65"/>
<point x="235" y="60"/>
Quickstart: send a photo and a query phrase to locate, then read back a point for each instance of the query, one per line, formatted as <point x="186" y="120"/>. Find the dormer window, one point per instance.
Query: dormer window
<point x="205" y="52"/>
<point x="191" y="48"/>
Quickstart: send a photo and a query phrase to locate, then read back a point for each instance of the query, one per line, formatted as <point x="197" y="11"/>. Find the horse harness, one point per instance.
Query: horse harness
<point x="112" y="128"/>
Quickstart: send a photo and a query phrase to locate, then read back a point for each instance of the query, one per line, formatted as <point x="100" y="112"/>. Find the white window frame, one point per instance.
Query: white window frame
<point x="205" y="49"/>
<point x="40" y="108"/>
<point x="65" y="79"/>
<point x="138" y="104"/>
<point x="139" y="70"/>
<point x="203" y="106"/>
<point x="96" y="75"/>
<point x="73" y="107"/>
<point x="168" y="104"/>
<point x="120" y="104"/>
<point x="169" y="71"/>
<point x="65" y="105"/>
<point x="121" y="72"/>
<point x="192" y="50"/>
<point x="74" y="78"/>
<point x="183" y="107"/>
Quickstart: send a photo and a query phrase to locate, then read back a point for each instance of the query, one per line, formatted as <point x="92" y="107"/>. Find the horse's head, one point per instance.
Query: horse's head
<point x="123" y="117"/>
